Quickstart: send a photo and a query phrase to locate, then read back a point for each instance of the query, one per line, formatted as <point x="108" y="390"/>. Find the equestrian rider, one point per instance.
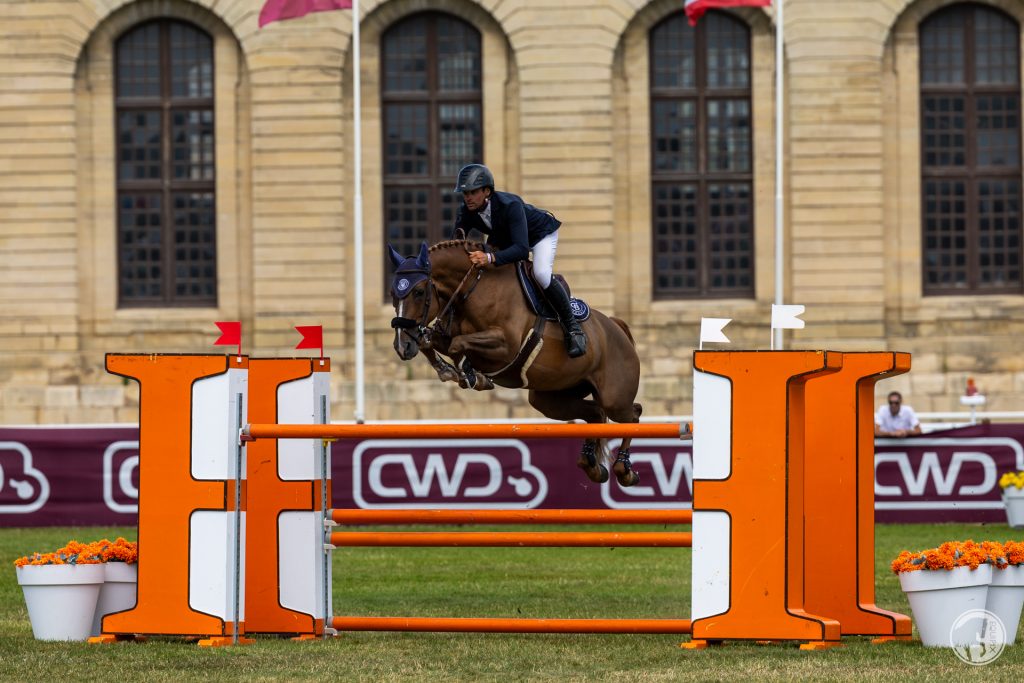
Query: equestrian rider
<point x="516" y="229"/>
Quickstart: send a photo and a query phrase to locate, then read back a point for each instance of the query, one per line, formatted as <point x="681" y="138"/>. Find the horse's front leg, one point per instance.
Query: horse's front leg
<point x="489" y="343"/>
<point x="471" y="378"/>
<point x="446" y="372"/>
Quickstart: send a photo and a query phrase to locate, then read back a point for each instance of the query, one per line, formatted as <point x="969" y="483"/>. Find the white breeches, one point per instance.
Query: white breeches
<point x="544" y="259"/>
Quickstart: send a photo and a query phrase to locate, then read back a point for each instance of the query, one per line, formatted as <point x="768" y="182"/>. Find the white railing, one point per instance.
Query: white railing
<point x="934" y="421"/>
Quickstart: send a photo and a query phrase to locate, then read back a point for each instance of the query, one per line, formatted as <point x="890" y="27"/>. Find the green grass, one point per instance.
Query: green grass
<point x="501" y="582"/>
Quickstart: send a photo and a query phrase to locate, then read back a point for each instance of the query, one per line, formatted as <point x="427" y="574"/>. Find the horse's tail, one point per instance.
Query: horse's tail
<point x="625" y="328"/>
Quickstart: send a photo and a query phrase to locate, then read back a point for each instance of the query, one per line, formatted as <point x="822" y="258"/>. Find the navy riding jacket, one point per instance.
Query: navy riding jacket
<point x="515" y="226"/>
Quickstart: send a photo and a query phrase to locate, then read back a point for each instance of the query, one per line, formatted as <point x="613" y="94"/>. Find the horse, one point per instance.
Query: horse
<point x="478" y="317"/>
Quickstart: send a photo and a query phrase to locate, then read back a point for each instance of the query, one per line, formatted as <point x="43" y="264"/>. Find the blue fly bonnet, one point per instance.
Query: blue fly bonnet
<point x="409" y="272"/>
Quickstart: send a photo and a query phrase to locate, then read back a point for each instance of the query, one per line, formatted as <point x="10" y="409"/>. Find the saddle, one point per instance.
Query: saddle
<point x="514" y="374"/>
<point x="534" y="296"/>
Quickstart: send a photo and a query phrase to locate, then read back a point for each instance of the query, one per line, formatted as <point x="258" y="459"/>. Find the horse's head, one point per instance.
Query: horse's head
<point x="412" y="296"/>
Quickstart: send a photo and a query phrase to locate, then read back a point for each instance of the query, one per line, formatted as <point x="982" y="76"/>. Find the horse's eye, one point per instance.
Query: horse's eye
<point x="418" y="293"/>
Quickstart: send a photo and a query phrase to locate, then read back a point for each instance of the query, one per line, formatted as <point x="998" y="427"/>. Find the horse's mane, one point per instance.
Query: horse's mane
<point x="466" y="245"/>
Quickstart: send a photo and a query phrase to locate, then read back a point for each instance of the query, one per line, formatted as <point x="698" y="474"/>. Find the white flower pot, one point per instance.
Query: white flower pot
<point x="938" y="596"/>
<point x="118" y="591"/>
<point x="1006" y="598"/>
<point x="61" y="598"/>
<point x="1013" y="501"/>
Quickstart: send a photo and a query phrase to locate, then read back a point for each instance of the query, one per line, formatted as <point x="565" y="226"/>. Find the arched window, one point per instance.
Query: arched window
<point x="970" y="152"/>
<point x="701" y="158"/>
<point x="166" y="217"/>
<point x="432" y="123"/>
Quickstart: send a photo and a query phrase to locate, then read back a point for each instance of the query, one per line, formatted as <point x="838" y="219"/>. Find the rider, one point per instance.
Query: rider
<point x="516" y="229"/>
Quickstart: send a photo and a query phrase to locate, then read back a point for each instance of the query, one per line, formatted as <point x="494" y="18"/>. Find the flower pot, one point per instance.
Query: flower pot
<point x="61" y="598"/>
<point x="1006" y="598"/>
<point x="1013" y="501"/>
<point x="117" y="593"/>
<point x="938" y="596"/>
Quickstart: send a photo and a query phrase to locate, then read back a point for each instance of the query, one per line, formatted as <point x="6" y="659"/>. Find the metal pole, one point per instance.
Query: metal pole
<point x="511" y="539"/>
<point x="653" y="430"/>
<point x="236" y="598"/>
<point x="325" y="558"/>
<point x="779" y="226"/>
<point x="357" y="166"/>
<point x="498" y="625"/>
<point x="353" y="516"/>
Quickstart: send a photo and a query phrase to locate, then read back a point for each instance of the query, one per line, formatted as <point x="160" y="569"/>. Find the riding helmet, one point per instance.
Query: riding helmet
<point x="473" y="177"/>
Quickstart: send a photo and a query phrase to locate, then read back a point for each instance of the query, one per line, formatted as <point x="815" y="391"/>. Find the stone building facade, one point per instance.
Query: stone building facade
<point x="902" y="208"/>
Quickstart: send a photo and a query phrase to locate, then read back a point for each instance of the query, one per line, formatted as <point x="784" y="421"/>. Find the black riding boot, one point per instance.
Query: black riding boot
<point x="575" y="339"/>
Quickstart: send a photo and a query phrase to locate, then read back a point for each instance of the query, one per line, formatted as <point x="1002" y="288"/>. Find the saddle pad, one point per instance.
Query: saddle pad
<point x="536" y="301"/>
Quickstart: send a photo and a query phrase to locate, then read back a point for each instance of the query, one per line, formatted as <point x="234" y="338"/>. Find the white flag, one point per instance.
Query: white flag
<point x="786" y="317"/>
<point x="711" y="329"/>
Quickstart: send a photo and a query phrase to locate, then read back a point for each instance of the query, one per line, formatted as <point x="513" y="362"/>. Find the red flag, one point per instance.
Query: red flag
<point x="312" y="337"/>
<point x="695" y="9"/>
<point x="231" y="334"/>
<point x="276" y="10"/>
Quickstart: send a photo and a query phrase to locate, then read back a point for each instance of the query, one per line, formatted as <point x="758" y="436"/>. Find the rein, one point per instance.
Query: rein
<point x="451" y="300"/>
<point x="420" y="331"/>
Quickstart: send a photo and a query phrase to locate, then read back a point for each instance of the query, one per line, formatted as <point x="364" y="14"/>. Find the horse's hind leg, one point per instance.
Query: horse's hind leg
<point x="623" y="468"/>
<point x="590" y="461"/>
<point x="568" y="405"/>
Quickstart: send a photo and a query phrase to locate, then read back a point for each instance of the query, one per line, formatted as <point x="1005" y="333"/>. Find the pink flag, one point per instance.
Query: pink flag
<point x="276" y="10"/>
<point x="695" y="9"/>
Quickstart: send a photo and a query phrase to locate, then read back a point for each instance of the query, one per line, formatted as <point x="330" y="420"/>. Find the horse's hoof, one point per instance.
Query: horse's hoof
<point x="631" y="480"/>
<point x="483" y="383"/>
<point x="595" y="472"/>
<point x="624" y="471"/>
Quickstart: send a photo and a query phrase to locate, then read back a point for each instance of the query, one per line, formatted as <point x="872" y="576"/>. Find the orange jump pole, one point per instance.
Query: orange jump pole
<point x="499" y="539"/>
<point x="512" y="516"/>
<point x="658" y="430"/>
<point x="496" y="625"/>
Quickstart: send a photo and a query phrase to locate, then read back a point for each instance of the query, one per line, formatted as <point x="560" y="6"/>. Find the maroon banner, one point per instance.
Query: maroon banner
<point x="89" y="475"/>
<point x="946" y="476"/>
<point x="53" y="476"/>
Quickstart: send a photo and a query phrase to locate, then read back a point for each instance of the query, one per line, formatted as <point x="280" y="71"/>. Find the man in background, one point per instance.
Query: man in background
<point x="896" y="420"/>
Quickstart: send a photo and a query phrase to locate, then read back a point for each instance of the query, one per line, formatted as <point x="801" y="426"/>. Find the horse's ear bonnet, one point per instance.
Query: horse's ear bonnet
<point x="409" y="272"/>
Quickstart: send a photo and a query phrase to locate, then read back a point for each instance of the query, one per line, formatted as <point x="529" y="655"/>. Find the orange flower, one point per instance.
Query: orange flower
<point x="120" y="551"/>
<point x="953" y="554"/>
<point x="1014" y="551"/>
<point x="85" y="553"/>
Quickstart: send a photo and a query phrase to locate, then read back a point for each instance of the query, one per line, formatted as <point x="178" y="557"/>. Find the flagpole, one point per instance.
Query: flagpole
<point x="357" y="133"/>
<point x="779" y="229"/>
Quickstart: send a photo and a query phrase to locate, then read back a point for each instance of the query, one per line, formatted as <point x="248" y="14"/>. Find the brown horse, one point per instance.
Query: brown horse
<point x="479" y="318"/>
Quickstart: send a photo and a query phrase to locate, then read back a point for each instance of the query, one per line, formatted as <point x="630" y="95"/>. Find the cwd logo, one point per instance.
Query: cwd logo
<point x="121" y="476"/>
<point x="666" y="470"/>
<point x="945" y="473"/>
<point x="440" y="473"/>
<point x="23" y="488"/>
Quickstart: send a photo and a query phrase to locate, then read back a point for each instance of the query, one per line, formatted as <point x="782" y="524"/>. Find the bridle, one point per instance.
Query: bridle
<point x="417" y="330"/>
<point x="421" y="331"/>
